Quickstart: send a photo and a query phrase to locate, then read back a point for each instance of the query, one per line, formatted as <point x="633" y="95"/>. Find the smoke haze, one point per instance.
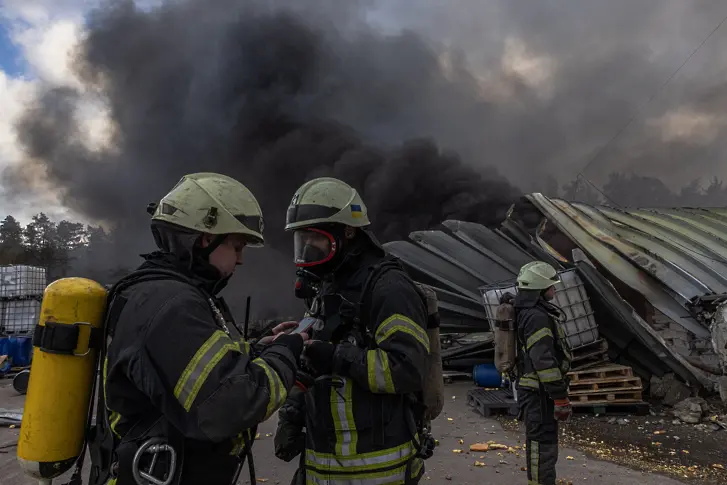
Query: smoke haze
<point x="448" y="118"/>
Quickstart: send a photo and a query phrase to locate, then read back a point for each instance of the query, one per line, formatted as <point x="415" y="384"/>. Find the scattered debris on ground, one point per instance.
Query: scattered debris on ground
<point x="662" y="442"/>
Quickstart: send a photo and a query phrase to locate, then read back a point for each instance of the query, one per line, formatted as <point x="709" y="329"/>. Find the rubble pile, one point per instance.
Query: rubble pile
<point x="656" y="281"/>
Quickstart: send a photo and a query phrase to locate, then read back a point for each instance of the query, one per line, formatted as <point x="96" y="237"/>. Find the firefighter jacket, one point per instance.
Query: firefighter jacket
<point x="360" y="422"/>
<point x="545" y="358"/>
<point x="175" y="367"/>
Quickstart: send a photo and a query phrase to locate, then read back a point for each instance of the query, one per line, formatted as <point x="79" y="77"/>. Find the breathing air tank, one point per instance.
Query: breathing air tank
<point x="65" y="345"/>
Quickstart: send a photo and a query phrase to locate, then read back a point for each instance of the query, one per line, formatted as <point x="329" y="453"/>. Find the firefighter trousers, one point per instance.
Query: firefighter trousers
<point x="541" y="433"/>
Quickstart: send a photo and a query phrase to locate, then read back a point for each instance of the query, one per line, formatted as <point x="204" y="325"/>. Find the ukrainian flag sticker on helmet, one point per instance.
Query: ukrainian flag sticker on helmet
<point x="356" y="211"/>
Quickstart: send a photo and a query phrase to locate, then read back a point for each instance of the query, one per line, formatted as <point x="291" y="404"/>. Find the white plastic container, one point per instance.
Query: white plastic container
<point x="570" y="295"/>
<point x="19" y="317"/>
<point x="21" y="280"/>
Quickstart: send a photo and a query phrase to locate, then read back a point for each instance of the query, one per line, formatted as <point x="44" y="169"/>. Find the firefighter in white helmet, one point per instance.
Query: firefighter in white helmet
<point x="183" y="391"/>
<point x="368" y="351"/>
<point x="543" y="363"/>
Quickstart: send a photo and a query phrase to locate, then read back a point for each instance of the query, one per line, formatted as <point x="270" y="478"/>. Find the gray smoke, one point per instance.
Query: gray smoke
<point x="278" y="92"/>
<point x="271" y="96"/>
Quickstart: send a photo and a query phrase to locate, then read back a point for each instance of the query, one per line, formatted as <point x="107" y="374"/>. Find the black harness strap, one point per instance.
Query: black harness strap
<point x="63" y="338"/>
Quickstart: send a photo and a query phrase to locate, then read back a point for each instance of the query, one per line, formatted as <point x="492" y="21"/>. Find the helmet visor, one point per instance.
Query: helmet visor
<point x="313" y="247"/>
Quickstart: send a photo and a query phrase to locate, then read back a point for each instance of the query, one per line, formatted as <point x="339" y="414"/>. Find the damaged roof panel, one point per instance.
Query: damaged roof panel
<point x="491" y="244"/>
<point x="633" y="266"/>
<point x="626" y="324"/>
<point x="689" y="247"/>
<point x="443" y="273"/>
<point x="459" y="254"/>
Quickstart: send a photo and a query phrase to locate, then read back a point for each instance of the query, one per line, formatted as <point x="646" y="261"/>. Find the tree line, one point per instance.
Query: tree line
<point x="631" y="190"/>
<point x="65" y="248"/>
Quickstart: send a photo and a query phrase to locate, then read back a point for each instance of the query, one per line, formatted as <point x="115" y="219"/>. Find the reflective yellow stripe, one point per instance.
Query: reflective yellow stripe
<point x="113" y="421"/>
<point x="400" y="323"/>
<point x="199" y="368"/>
<point x="417" y="466"/>
<point x="534" y="461"/>
<point x="114" y="417"/>
<point x="239" y="442"/>
<point x="278" y="394"/>
<point x="550" y="375"/>
<point x="380" y="379"/>
<point x="244" y="346"/>
<point x="343" y="422"/>
<point x="112" y="481"/>
<point x="372" y="461"/>
<point x="538" y="336"/>
<point x="529" y="382"/>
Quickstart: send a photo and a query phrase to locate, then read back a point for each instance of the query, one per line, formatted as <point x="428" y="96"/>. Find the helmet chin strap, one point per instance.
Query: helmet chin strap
<point x="205" y="252"/>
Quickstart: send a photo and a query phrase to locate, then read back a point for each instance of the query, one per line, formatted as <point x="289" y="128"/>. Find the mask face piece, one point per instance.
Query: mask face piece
<point x="313" y="247"/>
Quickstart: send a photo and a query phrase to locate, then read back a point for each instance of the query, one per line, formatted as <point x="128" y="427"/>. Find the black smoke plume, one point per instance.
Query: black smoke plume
<point x="273" y="96"/>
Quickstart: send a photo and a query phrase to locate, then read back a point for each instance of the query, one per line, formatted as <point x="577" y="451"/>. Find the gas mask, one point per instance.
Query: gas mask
<point x="313" y="248"/>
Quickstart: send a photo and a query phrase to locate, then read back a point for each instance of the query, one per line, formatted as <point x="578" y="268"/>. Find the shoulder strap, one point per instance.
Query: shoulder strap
<point x="376" y="271"/>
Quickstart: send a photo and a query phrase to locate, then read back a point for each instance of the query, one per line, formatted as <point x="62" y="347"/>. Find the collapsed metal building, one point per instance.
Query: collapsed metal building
<point x="656" y="278"/>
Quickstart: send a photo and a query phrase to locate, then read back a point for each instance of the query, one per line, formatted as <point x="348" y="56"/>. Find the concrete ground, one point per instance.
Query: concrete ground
<point x="456" y="429"/>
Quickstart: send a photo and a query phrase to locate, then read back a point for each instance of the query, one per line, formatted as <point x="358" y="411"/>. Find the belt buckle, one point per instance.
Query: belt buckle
<point x="153" y="446"/>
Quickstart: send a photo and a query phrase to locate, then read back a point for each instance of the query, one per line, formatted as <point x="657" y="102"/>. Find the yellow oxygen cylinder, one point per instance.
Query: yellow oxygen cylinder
<point x="65" y="346"/>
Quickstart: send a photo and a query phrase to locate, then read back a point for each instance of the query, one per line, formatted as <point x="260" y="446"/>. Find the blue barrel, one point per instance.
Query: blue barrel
<point x="20" y="350"/>
<point x="487" y="375"/>
<point x="5" y="350"/>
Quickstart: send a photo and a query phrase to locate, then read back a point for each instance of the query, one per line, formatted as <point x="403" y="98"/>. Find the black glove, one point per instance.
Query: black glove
<point x="319" y="355"/>
<point x="292" y="342"/>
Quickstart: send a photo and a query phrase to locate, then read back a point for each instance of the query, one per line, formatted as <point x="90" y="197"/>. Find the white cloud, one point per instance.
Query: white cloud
<point x="46" y="32"/>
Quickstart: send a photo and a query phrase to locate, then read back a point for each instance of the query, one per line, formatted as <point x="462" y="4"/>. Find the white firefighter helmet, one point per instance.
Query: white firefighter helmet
<point x="326" y="201"/>
<point x="537" y="275"/>
<point x="315" y="205"/>
<point x="214" y="204"/>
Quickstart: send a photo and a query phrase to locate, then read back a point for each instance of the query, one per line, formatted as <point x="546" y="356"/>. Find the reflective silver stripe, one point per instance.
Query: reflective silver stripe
<point x="400" y="323"/>
<point x="537" y="336"/>
<point x="397" y="476"/>
<point x="550" y="375"/>
<point x="343" y="422"/>
<point x="534" y="461"/>
<point x="365" y="462"/>
<point x="197" y="370"/>
<point x="379" y="372"/>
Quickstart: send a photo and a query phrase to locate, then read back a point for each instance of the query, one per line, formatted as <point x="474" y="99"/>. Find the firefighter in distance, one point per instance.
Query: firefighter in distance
<point x="544" y="362"/>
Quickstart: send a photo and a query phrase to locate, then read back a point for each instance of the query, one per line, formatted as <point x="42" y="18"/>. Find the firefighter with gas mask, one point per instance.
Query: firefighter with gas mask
<point x="544" y="362"/>
<point x="183" y="390"/>
<point x="367" y="353"/>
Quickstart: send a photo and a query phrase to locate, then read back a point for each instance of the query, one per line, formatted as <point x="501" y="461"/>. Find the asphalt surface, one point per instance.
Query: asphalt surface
<point x="456" y="429"/>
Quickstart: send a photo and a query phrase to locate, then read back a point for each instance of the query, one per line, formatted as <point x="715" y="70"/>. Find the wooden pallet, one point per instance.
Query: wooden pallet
<point x="605" y="397"/>
<point x="603" y="372"/>
<point x="609" y="384"/>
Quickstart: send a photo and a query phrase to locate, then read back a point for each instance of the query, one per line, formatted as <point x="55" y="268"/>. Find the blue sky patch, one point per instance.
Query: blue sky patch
<point x="11" y="57"/>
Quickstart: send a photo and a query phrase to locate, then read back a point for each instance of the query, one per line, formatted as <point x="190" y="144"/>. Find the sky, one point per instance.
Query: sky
<point x="623" y="52"/>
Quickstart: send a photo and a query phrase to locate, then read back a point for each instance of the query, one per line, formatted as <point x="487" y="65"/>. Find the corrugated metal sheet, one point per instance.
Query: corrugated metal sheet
<point x="666" y="270"/>
<point x="456" y="260"/>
